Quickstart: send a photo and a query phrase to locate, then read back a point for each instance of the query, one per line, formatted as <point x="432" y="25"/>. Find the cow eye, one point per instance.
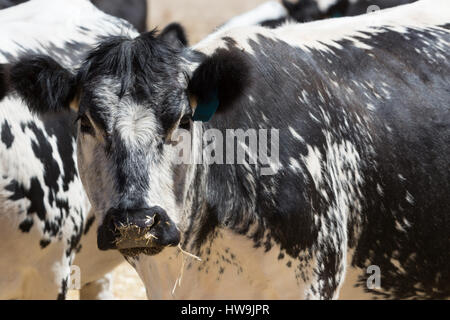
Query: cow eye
<point x="185" y="121"/>
<point x="85" y="124"/>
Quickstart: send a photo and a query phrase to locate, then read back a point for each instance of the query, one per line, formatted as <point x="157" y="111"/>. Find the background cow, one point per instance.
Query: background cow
<point x="134" y="11"/>
<point x="44" y="212"/>
<point x="310" y="10"/>
<point x="363" y="171"/>
<point x="273" y="14"/>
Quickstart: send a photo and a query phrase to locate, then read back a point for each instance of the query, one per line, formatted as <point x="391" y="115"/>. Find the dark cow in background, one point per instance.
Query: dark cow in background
<point x="361" y="181"/>
<point x="134" y="11"/>
<point x="9" y="3"/>
<point x="44" y="212"/>
<point x="310" y="10"/>
<point x="273" y="14"/>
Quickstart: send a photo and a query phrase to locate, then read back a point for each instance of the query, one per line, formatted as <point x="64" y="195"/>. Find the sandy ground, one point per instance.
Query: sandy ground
<point x="126" y="285"/>
<point x="199" y="18"/>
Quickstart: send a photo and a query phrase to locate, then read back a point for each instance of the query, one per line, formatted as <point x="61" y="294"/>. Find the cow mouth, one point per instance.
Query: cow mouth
<point x="138" y="241"/>
<point x="134" y="232"/>
<point x="149" y="251"/>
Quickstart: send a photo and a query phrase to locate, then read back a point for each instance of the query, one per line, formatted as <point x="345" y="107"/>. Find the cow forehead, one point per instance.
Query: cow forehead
<point x="136" y="124"/>
<point x="106" y="90"/>
<point x="99" y="97"/>
<point x="133" y="120"/>
<point x="102" y="95"/>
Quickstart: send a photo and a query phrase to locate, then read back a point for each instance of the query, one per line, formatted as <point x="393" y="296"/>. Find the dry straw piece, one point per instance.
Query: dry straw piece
<point x="183" y="262"/>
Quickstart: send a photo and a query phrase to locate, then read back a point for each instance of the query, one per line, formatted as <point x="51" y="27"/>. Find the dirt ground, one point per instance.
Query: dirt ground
<point x="199" y="18"/>
<point x="126" y="285"/>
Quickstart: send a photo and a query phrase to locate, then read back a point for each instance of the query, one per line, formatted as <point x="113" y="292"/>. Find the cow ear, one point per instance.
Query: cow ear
<point x="174" y="35"/>
<point x="217" y="83"/>
<point x="43" y="84"/>
<point x="289" y="5"/>
<point x="4" y="82"/>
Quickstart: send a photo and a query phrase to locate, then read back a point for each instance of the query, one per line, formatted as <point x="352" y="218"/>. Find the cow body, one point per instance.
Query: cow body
<point x="364" y="169"/>
<point x="134" y="11"/>
<point x="364" y="153"/>
<point x="44" y="211"/>
<point x="358" y="108"/>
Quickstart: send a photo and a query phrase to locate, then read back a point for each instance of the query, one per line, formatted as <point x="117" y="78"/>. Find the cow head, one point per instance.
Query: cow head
<point x="131" y="95"/>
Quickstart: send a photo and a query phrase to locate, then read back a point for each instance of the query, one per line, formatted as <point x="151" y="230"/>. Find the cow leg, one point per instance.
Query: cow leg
<point x="330" y="259"/>
<point x="329" y="275"/>
<point x="95" y="265"/>
<point x="27" y="269"/>
<point x="100" y="289"/>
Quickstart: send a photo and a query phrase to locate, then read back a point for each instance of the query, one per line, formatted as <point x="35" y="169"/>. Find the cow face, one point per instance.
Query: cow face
<point x="124" y="141"/>
<point x="130" y="95"/>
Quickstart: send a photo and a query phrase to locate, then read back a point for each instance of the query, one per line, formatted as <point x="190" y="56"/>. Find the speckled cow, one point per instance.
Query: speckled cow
<point x="134" y="11"/>
<point x="44" y="211"/>
<point x="361" y="106"/>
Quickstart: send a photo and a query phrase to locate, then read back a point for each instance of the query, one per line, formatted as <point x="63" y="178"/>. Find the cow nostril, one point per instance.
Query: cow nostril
<point x="156" y="219"/>
<point x="151" y="220"/>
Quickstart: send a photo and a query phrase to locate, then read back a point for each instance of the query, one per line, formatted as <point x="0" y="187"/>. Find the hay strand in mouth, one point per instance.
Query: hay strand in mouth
<point x="188" y="254"/>
<point x="133" y="232"/>
<point x="178" y="281"/>
<point x="183" y="262"/>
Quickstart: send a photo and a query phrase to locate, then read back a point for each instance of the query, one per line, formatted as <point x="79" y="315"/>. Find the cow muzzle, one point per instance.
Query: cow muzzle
<point x="136" y="231"/>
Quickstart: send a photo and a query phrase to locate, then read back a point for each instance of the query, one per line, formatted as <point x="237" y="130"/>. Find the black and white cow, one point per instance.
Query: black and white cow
<point x="310" y="10"/>
<point x="273" y="14"/>
<point x="44" y="212"/>
<point x="359" y="181"/>
<point x="134" y="11"/>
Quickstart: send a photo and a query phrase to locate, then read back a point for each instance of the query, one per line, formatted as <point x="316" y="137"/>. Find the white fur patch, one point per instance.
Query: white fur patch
<point x="135" y="124"/>
<point x="313" y="162"/>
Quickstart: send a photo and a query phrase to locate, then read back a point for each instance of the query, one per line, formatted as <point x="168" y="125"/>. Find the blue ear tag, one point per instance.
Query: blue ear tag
<point x="337" y="15"/>
<point x="206" y="109"/>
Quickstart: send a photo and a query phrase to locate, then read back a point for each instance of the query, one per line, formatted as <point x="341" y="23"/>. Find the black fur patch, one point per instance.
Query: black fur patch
<point x="34" y="194"/>
<point x="134" y="11"/>
<point x="4" y="80"/>
<point x="63" y="291"/>
<point x="44" y="243"/>
<point x="9" y="3"/>
<point x="225" y="72"/>
<point x="89" y="223"/>
<point x="174" y="35"/>
<point x="308" y="10"/>
<point x="42" y="83"/>
<point x="6" y="135"/>
<point x="303" y="11"/>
